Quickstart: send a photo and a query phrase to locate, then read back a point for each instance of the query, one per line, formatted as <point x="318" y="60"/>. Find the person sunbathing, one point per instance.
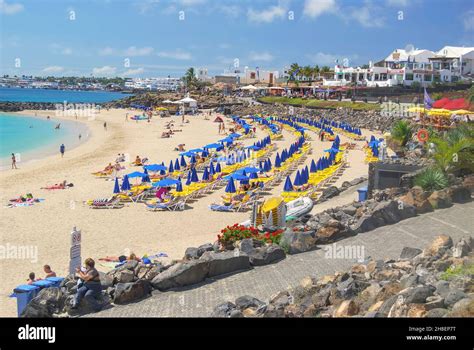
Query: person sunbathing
<point x="120" y="158"/>
<point x="27" y="198"/>
<point x="180" y="148"/>
<point x="166" y="135"/>
<point x="121" y="258"/>
<point x="61" y="186"/>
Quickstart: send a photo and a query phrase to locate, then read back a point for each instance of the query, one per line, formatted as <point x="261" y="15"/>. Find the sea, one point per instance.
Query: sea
<point x="30" y="137"/>
<point x="57" y="96"/>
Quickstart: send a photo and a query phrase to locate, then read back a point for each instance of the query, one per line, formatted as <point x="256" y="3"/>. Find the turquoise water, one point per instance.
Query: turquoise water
<point x="31" y="137"/>
<point x="58" y="96"/>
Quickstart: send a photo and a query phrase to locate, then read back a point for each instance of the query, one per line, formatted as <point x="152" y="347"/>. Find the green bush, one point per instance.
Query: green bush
<point x="401" y="132"/>
<point x="431" y="179"/>
<point x="455" y="271"/>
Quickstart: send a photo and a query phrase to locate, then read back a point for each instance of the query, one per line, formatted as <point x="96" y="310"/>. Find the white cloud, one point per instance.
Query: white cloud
<point x="177" y="55"/>
<point x="103" y="71"/>
<point x="268" y="15"/>
<point x="66" y="51"/>
<point x="131" y="72"/>
<point x="468" y="20"/>
<point x="53" y="69"/>
<point x="367" y="17"/>
<point x="138" y="51"/>
<point x="145" y="6"/>
<point x="230" y="10"/>
<point x="399" y="3"/>
<point x="315" y="8"/>
<point x="260" y="56"/>
<point x="107" y="51"/>
<point x="9" y="8"/>
<point x="191" y="2"/>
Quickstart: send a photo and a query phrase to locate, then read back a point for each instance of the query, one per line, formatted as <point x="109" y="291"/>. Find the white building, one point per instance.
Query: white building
<point x="202" y="75"/>
<point x="163" y="84"/>
<point x="450" y="64"/>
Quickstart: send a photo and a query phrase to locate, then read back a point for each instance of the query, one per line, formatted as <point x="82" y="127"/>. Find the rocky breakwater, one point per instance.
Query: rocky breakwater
<point x="387" y="207"/>
<point x="434" y="282"/>
<point x="21" y="106"/>
<point x="134" y="280"/>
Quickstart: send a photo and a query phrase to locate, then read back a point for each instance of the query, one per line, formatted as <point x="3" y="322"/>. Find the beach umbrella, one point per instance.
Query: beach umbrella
<point x="313" y="167"/>
<point x="218" y="168"/>
<point x="176" y="165"/>
<point x="288" y="185"/>
<point x="154" y="167"/>
<point x="179" y="186"/>
<point x="195" y="150"/>
<point x="253" y="175"/>
<point x="297" y="181"/>
<point x="212" y="171"/>
<point x="171" y="168"/>
<point x="213" y="145"/>
<point x="194" y="176"/>
<point x="193" y="159"/>
<point x="234" y="135"/>
<point x="205" y="174"/>
<point x="146" y="178"/>
<point x="125" y="184"/>
<point x="165" y="182"/>
<point x="188" y="180"/>
<point x="135" y="174"/>
<point x="230" y="188"/>
<point x="183" y="162"/>
<point x="116" y="186"/>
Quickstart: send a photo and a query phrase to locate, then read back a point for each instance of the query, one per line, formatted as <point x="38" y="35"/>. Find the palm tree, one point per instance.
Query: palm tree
<point x="295" y="69"/>
<point x="401" y="132"/>
<point x="190" y="78"/>
<point x="316" y="70"/>
<point x="455" y="150"/>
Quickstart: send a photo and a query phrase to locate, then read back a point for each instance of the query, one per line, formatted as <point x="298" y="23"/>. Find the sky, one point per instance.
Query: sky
<point x="152" y="38"/>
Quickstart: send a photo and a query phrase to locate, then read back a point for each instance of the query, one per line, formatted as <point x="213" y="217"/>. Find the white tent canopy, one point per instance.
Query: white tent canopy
<point x="187" y="100"/>
<point x="248" y="87"/>
<point x="167" y="101"/>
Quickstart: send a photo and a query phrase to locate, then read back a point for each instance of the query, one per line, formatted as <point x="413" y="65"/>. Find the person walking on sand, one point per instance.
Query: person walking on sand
<point x="62" y="149"/>
<point x="14" y="161"/>
<point x="126" y="117"/>
<point x="105" y="126"/>
<point x="80" y="136"/>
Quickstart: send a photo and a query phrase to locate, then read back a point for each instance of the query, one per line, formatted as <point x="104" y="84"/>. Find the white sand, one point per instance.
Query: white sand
<point x="47" y="225"/>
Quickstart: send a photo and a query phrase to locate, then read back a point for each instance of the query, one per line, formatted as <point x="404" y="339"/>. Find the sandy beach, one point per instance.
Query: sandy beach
<point x="47" y="225"/>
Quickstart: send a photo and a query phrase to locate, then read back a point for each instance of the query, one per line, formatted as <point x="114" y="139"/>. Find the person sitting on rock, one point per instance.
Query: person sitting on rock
<point x="90" y="288"/>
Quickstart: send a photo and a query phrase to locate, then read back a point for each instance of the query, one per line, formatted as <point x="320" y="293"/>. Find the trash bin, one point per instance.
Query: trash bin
<point x="43" y="284"/>
<point x="362" y="194"/>
<point x="56" y="281"/>
<point x="23" y="294"/>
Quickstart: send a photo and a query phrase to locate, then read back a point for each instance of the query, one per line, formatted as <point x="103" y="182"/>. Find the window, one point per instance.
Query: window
<point x="408" y="76"/>
<point x="427" y="77"/>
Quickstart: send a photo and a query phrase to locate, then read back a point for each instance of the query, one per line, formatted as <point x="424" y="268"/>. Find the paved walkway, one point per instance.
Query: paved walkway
<point x="262" y="282"/>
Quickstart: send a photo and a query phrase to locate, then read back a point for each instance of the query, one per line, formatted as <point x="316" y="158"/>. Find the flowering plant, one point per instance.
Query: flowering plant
<point x="237" y="232"/>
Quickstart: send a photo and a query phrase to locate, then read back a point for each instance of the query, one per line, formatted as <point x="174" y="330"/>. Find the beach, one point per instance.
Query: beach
<point x="47" y="225"/>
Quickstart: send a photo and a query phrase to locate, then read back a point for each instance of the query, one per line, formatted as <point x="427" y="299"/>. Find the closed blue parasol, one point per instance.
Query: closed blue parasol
<point x="146" y="178"/>
<point x="183" y="162"/>
<point x="313" y="167"/>
<point x="125" y="184"/>
<point x="297" y="181"/>
<point x="193" y="159"/>
<point x="288" y="185"/>
<point x="218" y="168"/>
<point x="212" y="171"/>
<point x="176" y="165"/>
<point x="179" y="186"/>
<point x="230" y="188"/>
<point x="194" y="175"/>
<point x="188" y="180"/>
<point x="205" y="174"/>
<point x="171" y="168"/>
<point x="116" y="186"/>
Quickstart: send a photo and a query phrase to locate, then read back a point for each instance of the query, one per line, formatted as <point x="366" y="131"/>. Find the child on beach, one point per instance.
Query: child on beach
<point x="32" y="278"/>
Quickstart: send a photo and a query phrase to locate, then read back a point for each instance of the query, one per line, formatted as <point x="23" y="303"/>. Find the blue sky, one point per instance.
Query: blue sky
<point x="143" y="38"/>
